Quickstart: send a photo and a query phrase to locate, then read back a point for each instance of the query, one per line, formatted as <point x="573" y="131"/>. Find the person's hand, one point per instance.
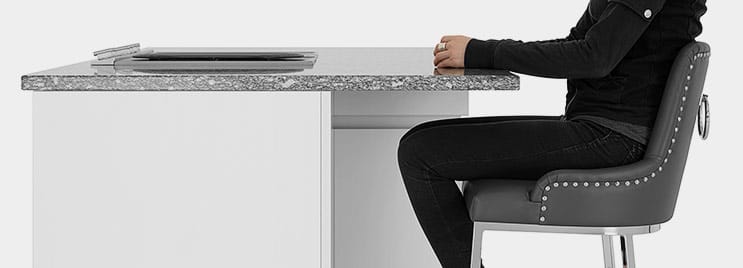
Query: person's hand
<point x="448" y="71"/>
<point x="453" y="55"/>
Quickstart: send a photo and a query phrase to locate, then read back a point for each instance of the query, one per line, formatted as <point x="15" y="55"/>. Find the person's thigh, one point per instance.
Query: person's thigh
<point x="474" y="120"/>
<point x="513" y="149"/>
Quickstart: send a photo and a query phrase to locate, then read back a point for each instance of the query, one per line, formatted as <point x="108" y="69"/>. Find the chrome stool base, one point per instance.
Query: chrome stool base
<point x="607" y="234"/>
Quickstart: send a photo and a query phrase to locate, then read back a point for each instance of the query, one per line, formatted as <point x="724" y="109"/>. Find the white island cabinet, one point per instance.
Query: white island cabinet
<point x="194" y="170"/>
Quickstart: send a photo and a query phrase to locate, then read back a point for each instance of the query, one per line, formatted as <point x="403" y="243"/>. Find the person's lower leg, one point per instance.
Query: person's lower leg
<point x="442" y="214"/>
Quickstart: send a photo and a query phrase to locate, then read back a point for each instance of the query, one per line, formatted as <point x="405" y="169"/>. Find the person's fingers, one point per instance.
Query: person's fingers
<point x="436" y="49"/>
<point x="447" y="38"/>
<point x="443" y="64"/>
<point x="446" y="63"/>
<point x="441" y="56"/>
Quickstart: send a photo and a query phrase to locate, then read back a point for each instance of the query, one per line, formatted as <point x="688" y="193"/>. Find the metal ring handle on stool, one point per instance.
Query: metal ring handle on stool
<point x="703" y="126"/>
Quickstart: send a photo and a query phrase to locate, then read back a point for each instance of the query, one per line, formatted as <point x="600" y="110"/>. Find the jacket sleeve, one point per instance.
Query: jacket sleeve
<point x="591" y="51"/>
<point x="577" y="32"/>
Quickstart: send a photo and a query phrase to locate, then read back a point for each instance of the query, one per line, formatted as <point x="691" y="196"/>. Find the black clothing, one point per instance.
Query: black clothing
<point x="616" y="59"/>
<point x="432" y="155"/>
<point x="637" y="133"/>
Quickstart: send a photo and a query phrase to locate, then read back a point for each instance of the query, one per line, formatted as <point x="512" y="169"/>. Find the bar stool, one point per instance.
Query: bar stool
<point x="619" y="201"/>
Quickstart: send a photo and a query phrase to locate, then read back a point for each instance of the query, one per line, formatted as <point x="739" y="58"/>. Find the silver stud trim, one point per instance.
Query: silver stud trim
<point x="544" y="198"/>
<point x="556" y="184"/>
<point x="565" y="184"/>
<point x="598" y="184"/>
<point x="585" y="184"/>
<point x="544" y="208"/>
<point x="637" y="182"/>
<point x="627" y="183"/>
<point x="547" y="188"/>
<point x="541" y="219"/>
<point x="575" y="184"/>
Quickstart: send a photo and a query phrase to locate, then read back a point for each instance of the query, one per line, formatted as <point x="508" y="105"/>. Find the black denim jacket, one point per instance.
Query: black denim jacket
<point x="616" y="59"/>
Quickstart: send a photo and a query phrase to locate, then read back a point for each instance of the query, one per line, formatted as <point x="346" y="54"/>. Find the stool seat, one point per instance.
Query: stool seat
<point x="501" y="200"/>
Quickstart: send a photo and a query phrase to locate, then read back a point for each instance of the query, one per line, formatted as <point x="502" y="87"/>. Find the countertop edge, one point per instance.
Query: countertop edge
<point x="227" y="82"/>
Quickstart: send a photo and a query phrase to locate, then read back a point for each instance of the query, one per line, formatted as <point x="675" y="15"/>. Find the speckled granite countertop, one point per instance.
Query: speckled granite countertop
<point x="336" y="69"/>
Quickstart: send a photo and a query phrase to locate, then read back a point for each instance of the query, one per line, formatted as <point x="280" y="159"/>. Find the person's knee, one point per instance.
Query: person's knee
<point x="411" y="162"/>
<point x="420" y="127"/>
<point x="406" y="152"/>
<point x="417" y="159"/>
<point x="413" y="130"/>
<point x="411" y="150"/>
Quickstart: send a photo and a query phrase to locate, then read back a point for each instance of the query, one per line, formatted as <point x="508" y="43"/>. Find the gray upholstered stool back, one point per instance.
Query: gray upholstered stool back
<point x="645" y="192"/>
<point x="674" y="128"/>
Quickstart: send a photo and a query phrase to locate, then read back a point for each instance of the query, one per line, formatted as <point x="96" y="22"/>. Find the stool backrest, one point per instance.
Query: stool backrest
<point x="674" y="125"/>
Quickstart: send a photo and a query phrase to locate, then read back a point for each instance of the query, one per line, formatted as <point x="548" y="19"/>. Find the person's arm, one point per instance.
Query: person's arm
<point x="593" y="55"/>
<point x="577" y="32"/>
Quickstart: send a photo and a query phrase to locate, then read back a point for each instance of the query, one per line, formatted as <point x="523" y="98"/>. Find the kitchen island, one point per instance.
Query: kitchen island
<point x="271" y="168"/>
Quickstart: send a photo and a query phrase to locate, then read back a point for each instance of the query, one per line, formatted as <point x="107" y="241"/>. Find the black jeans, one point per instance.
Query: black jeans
<point x="434" y="154"/>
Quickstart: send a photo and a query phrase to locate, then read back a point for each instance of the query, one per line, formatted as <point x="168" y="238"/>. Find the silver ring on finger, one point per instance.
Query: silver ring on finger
<point x="441" y="46"/>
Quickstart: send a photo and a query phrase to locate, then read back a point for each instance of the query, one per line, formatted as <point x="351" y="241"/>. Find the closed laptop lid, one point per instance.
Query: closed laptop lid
<point x="219" y="54"/>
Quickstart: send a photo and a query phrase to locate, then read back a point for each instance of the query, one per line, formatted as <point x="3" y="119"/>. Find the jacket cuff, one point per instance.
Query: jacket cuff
<point x="479" y="53"/>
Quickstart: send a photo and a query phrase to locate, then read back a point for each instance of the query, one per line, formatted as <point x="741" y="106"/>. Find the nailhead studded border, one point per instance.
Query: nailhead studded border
<point x="631" y="182"/>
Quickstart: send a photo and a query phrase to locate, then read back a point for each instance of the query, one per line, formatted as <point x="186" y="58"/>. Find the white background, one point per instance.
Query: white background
<point x="38" y="35"/>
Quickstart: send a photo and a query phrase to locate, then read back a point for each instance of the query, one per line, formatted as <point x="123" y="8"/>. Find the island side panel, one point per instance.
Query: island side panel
<point x="177" y="179"/>
<point x="326" y="147"/>
<point x="374" y="223"/>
